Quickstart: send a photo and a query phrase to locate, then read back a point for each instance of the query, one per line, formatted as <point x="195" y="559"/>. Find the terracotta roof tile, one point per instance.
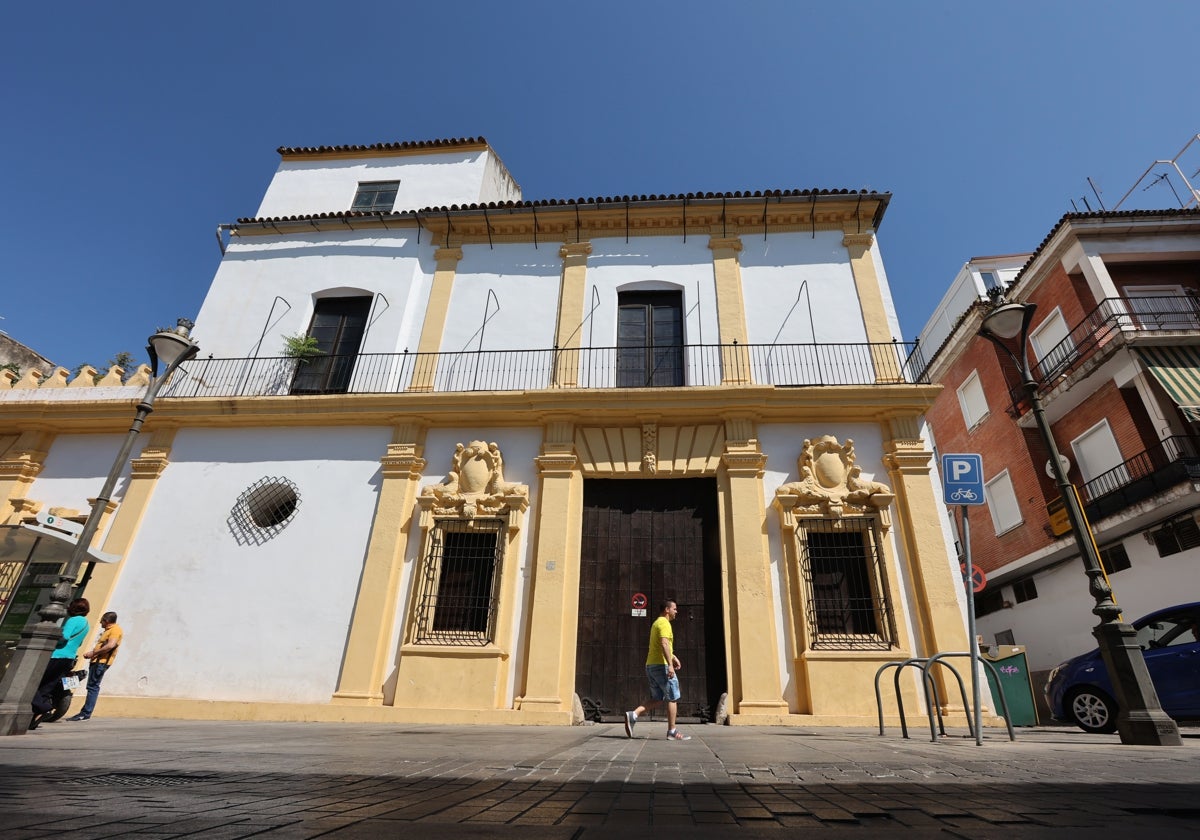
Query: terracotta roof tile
<point x="568" y="202"/>
<point x="286" y="151"/>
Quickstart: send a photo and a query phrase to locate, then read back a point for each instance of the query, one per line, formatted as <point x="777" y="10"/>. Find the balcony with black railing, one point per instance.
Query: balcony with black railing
<point x="1113" y="323"/>
<point x="780" y="365"/>
<point x="1168" y="463"/>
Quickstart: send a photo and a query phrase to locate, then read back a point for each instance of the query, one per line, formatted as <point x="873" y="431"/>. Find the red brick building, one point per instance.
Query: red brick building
<point x="1115" y="347"/>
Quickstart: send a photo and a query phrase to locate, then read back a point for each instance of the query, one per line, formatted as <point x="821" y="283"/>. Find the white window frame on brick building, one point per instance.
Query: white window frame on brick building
<point x="1052" y="336"/>
<point x="1002" y="503"/>
<point x="972" y="400"/>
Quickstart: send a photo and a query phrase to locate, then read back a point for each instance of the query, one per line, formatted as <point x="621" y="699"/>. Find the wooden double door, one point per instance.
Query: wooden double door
<point x="643" y="541"/>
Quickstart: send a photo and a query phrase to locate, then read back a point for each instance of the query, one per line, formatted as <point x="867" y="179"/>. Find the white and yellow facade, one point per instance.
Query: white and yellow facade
<point x="318" y="619"/>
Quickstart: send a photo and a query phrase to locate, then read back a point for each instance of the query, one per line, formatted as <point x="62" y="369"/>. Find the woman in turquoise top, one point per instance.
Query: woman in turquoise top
<point x="62" y="660"/>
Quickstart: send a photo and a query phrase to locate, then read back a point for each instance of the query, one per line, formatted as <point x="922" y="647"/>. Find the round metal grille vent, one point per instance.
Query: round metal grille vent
<point x="264" y="509"/>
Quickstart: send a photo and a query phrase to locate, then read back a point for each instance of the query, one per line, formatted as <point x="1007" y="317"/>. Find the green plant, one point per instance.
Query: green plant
<point x="301" y="346"/>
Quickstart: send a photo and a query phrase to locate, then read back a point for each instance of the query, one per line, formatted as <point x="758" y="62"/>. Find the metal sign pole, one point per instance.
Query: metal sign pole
<point x="969" y="586"/>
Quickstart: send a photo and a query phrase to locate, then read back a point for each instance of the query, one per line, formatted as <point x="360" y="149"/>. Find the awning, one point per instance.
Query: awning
<point x="1177" y="369"/>
<point x="40" y="544"/>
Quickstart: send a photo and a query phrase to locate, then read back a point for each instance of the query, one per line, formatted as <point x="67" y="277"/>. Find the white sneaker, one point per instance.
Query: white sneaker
<point x="630" y="722"/>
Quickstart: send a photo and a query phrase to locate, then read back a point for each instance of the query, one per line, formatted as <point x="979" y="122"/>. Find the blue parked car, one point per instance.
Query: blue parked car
<point x="1078" y="691"/>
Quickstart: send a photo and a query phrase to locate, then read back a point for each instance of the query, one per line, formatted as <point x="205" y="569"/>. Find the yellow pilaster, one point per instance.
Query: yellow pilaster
<point x="571" y="303"/>
<point x="144" y="472"/>
<point x="19" y="466"/>
<point x="755" y="684"/>
<point x="446" y="262"/>
<point x="887" y="363"/>
<point x="731" y="309"/>
<point x="936" y="613"/>
<point x="371" y="635"/>
<point x="554" y="603"/>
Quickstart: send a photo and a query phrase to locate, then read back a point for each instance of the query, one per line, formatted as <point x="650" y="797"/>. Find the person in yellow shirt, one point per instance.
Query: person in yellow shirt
<point x="101" y="656"/>
<point x="662" y="666"/>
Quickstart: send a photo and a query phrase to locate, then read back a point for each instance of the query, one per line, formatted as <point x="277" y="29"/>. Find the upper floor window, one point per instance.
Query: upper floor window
<point x="338" y="325"/>
<point x="649" y="339"/>
<point x="375" y="196"/>
<point x="990" y="280"/>
<point x="1002" y="503"/>
<point x="1052" y="344"/>
<point x="972" y="401"/>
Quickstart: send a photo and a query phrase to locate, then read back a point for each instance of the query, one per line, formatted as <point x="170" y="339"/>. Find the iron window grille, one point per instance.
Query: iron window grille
<point x="460" y="583"/>
<point x="844" y="573"/>
<point x="263" y="510"/>
<point x="375" y="196"/>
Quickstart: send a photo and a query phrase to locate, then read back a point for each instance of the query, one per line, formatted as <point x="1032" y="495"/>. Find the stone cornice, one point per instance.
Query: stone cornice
<point x="849" y="403"/>
<point x="581" y="220"/>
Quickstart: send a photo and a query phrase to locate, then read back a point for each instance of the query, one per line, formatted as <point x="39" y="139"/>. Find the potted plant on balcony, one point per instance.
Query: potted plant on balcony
<point x="302" y="347"/>
<point x="298" y="352"/>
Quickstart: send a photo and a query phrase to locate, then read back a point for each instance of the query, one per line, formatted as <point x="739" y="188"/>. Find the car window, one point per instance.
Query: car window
<point x="1169" y="631"/>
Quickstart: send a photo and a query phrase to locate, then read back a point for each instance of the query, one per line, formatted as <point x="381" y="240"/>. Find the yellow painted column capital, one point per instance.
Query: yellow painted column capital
<point x="725" y="243"/>
<point x="575" y="252"/>
<point x="447" y="259"/>
<point x="858" y="242"/>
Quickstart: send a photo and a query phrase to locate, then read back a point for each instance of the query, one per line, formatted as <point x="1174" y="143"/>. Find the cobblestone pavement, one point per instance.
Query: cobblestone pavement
<point x="166" y="779"/>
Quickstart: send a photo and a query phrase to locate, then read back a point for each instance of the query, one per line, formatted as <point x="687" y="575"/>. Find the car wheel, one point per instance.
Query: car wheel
<point x="1092" y="710"/>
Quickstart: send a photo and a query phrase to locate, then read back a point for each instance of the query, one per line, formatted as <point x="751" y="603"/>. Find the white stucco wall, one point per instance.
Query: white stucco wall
<point x="328" y="185"/>
<point x="76" y="467"/>
<point x="208" y="617"/>
<point x="777" y="311"/>
<point x="1057" y="624"/>
<point x="242" y="301"/>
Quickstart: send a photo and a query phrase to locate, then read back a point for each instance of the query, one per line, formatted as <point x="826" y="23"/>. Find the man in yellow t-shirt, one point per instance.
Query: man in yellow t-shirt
<point x="101" y="656"/>
<point x="661" y="667"/>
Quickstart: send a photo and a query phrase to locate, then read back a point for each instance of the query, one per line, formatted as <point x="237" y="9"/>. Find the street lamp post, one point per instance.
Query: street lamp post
<point x="1140" y="718"/>
<point x="172" y="346"/>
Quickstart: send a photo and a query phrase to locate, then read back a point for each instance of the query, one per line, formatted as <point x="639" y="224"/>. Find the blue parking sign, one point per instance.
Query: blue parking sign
<point x="962" y="479"/>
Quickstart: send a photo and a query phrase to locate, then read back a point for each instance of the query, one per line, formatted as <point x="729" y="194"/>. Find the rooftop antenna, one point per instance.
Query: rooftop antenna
<point x="1193" y="193"/>
<point x="1097" y="193"/>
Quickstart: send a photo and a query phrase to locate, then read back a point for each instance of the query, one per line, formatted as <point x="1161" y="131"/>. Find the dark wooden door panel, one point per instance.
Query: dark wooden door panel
<point x="657" y="538"/>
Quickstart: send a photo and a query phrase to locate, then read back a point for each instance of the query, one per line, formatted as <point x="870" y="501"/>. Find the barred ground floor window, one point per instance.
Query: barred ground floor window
<point x="460" y="583"/>
<point x="843" y="569"/>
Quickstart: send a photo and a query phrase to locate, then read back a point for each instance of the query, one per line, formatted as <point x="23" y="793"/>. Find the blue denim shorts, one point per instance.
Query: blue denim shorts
<point x="662" y="688"/>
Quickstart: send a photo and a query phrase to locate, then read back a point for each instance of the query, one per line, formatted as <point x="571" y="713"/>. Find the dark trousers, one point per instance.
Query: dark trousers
<point x="51" y="682"/>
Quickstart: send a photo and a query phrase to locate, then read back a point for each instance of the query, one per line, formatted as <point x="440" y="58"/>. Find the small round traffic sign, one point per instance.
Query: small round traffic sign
<point x="978" y="578"/>
<point x="639" y="601"/>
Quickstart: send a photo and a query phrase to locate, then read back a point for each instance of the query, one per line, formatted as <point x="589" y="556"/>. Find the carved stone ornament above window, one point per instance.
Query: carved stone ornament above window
<point x="831" y="483"/>
<point x="475" y="486"/>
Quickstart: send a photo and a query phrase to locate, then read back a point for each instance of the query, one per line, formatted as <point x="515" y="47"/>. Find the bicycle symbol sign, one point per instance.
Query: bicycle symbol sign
<point x="962" y="479"/>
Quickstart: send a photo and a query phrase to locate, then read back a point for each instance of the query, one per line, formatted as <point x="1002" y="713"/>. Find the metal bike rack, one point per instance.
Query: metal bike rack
<point x="932" y="699"/>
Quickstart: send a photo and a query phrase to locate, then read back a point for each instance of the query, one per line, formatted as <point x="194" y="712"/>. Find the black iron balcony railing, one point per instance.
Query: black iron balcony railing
<point x="782" y="365"/>
<point x="1169" y="462"/>
<point x="1113" y="317"/>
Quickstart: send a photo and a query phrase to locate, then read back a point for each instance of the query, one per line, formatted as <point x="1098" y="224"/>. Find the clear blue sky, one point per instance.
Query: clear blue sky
<point x="131" y="130"/>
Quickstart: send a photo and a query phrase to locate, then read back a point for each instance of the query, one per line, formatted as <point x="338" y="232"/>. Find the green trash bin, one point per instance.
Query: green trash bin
<point x="1013" y="671"/>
